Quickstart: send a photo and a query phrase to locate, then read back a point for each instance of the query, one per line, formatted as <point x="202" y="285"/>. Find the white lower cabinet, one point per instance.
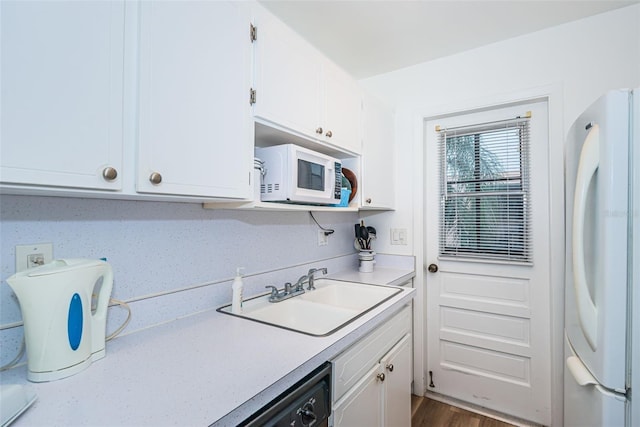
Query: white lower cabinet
<point x="372" y="379"/>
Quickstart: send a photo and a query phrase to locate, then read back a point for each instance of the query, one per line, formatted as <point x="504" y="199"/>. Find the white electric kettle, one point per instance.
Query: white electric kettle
<point x="62" y="334"/>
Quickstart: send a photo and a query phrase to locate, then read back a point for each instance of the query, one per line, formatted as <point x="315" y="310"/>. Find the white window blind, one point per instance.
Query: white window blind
<point x="485" y="203"/>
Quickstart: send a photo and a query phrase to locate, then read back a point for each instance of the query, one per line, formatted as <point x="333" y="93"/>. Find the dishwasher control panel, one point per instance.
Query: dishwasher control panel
<point x="306" y="404"/>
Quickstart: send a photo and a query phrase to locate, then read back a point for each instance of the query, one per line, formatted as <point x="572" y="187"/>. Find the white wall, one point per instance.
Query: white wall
<point x="572" y="65"/>
<point x="169" y="259"/>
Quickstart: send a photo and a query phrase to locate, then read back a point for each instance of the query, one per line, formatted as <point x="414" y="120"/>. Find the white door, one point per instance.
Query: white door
<point x="342" y="112"/>
<point x="195" y="130"/>
<point x="287" y="79"/>
<point x="361" y="405"/>
<point x="596" y="237"/>
<point x="488" y="304"/>
<point x="62" y="93"/>
<point x="377" y="189"/>
<point x="398" y="371"/>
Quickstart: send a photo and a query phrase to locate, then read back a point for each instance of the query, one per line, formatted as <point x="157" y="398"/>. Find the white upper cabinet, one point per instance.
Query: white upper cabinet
<point x="342" y="109"/>
<point x="300" y="90"/>
<point x="62" y="93"/>
<point x="195" y="130"/>
<point x="378" y="163"/>
<point x="287" y="78"/>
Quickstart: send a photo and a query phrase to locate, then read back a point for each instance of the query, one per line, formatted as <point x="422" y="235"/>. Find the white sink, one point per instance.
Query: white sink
<point x="332" y="305"/>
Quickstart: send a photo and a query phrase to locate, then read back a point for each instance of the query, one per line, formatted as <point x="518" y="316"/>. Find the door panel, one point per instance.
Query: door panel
<point x="62" y="93"/>
<point x="488" y="328"/>
<point x="195" y="128"/>
<point x="397" y="394"/>
<point x="596" y="297"/>
<point x="361" y="406"/>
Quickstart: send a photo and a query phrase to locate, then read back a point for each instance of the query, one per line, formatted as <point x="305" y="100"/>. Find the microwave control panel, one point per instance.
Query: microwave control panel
<point x="338" y="187"/>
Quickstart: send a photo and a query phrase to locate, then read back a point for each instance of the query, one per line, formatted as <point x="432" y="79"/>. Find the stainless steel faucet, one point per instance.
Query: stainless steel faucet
<point x="310" y="276"/>
<point x="300" y="283"/>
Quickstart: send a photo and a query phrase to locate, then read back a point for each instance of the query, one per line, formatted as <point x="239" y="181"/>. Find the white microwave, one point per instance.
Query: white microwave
<point x="295" y="174"/>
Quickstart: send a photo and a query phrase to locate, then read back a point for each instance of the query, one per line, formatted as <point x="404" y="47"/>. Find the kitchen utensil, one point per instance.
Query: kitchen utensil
<point x="361" y="243"/>
<point x="364" y="235"/>
<point x="372" y="232"/>
<point x="63" y="335"/>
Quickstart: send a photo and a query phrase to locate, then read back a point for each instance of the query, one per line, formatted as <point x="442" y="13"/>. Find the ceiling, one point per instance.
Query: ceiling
<point x="370" y="37"/>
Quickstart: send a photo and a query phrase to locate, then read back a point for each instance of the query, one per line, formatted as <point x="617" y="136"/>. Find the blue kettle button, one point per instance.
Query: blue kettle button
<point x="74" y="322"/>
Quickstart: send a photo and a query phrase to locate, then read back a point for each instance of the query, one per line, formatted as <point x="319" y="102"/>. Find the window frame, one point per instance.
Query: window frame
<point x="517" y="247"/>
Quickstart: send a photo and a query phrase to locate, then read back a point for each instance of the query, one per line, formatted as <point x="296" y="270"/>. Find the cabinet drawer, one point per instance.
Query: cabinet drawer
<point x="353" y="363"/>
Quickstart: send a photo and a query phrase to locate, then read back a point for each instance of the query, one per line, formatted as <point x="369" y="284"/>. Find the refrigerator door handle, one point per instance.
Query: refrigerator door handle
<point x="579" y="372"/>
<point x="584" y="378"/>
<point x="589" y="162"/>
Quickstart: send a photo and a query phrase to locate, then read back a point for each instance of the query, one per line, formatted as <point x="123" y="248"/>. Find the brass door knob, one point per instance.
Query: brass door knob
<point x="433" y="268"/>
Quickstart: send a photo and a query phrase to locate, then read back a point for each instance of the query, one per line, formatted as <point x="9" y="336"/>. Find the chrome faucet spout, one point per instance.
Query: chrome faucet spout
<point x="310" y="276"/>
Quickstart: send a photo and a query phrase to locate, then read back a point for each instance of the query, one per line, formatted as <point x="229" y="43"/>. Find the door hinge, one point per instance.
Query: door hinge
<point x="253" y="33"/>
<point x="252" y="96"/>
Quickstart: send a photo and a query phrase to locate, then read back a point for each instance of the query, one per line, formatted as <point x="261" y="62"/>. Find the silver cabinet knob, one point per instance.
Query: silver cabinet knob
<point x="381" y="376"/>
<point x="109" y="173"/>
<point x="368" y="201"/>
<point x="329" y="134"/>
<point x="433" y="268"/>
<point x="390" y="367"/>
<point x="319" y="131"/>
<point x="155" y="178"/>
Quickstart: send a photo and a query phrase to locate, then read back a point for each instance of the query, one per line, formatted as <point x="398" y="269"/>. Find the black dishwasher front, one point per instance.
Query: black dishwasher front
<point x="306" y="404"/>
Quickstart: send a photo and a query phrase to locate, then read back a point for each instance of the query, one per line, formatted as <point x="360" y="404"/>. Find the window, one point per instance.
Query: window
<point x="485" y="191"/>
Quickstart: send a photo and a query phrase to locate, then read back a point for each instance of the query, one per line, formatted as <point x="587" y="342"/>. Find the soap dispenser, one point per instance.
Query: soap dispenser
<point x="237" y="288"/>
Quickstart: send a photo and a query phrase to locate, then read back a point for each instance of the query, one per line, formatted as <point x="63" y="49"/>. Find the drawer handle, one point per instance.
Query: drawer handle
<point x="381" y="376"/>
<point x="319" y="131"/>
<point x="329" y="134"/>
<point x="155" y="178"/>
<point x="390" y="367"/>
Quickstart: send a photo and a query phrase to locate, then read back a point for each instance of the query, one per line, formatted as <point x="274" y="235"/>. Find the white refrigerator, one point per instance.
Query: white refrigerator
<point x="602" y="285"/>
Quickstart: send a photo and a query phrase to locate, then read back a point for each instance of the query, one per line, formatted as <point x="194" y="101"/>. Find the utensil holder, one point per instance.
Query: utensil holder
<point x="367" y="261"/>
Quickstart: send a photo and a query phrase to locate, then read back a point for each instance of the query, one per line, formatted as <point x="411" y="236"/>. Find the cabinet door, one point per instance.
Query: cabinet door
<point x="287" y="78"/>
<point x="195" y="136"/>
<point x="378" y="156"/>
<point x="62" y="93"/>
<point x="342" y="109"/>
<point x="397" y="366"/>
<point x="362" y="405"/>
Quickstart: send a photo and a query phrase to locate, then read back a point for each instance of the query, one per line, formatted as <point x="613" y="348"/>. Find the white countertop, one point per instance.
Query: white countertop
<point x="202" y="369"/>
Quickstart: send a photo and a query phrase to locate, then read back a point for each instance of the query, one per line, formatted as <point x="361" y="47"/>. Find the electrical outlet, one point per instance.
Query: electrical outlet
<point x="323" y="239"/>
<point x="30" y="256"/>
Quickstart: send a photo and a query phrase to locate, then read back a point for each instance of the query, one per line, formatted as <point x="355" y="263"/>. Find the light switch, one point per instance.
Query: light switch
<point x="398" y="236"/>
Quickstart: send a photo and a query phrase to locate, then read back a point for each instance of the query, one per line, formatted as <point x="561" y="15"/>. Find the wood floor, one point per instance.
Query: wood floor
<point x="428" y="412"/>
